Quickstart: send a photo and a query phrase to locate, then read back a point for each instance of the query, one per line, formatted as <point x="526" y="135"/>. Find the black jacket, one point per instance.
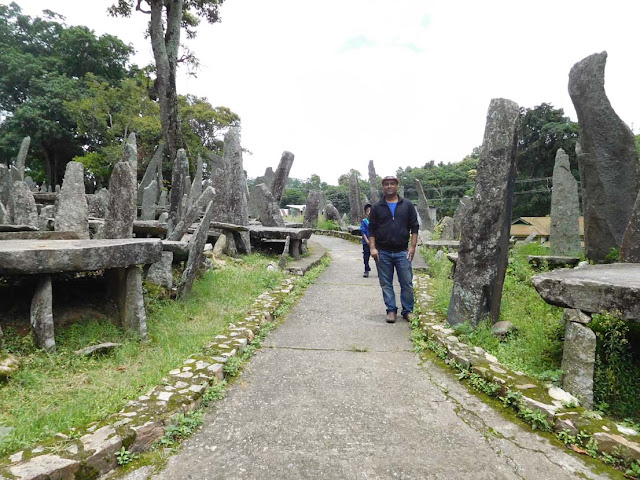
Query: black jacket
<point x="392" y="233"/>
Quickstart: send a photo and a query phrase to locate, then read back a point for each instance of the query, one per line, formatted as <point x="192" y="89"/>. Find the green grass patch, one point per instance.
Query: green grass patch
<point x="55" y="392"/>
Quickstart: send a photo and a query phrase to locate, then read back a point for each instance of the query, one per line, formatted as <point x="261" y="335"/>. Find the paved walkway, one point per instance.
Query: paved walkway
<point x="338" y="394"/>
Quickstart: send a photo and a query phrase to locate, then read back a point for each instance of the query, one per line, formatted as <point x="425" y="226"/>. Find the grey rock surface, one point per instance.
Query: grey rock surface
<point x="153" y="172"/>
<point x="594" y="288"/>
<point x="179" y="181"/>
<point x="98" y="349"/>
<point x="268" y="209"/>
<point x="22" y="155"/>
<point x="5" y="184"/>
<point x="332" y="213"/>
<point x="462" y="210"/>
<point x="565" y="211"/>
<point x="267" y="179"/>
<point x="423" y="208"/>
<point x="336" y="393"/>
<point x="374" y="194"/>
<point x="578" y="359"/>
<point x="42" y="314"/>
<point x="484" y="241"/>
<point x="160" y="272"/>
<point x="630" y="248"/>
<point x="281" y="175"/>
<point x="196" y="249"/>
<point x="608" y="161"/>
<point x="447" y="228"/>
<point x="72" y="210"/>
<point x="149" y="197"/>
<point x="22" y="206"/>
<point x="130" y="155"/>
<point x="192" y="214"/>
<point x="196" y="184"/>
<point x="355" y="200"/>
<point x="121" y="210"/>
<point x="312" y="209"/>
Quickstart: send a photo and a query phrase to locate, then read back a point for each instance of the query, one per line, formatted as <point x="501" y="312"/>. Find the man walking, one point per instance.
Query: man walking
<point x="392" y="220"/>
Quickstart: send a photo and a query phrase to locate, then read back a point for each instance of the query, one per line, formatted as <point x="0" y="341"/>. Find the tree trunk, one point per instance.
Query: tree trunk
<point x="165" y="47"/>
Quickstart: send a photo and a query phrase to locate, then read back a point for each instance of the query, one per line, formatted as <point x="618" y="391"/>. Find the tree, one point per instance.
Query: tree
<point x="167" y="18"/>
<point x="44" y="63"/>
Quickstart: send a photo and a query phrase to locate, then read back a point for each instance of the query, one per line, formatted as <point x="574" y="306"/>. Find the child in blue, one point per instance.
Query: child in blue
<point x="364" y="230"/>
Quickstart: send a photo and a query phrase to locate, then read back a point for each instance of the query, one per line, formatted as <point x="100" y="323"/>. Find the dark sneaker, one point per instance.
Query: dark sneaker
<point x="365" y="274"/>
<point x="391" y="317"/>
<point x="407" y="316"/>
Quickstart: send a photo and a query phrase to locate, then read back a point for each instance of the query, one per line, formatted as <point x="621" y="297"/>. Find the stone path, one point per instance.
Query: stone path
<point x="338" y="394"/>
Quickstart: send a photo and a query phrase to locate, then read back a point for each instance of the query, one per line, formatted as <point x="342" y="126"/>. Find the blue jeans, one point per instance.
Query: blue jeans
<point x="386" y="263"/>
<point x="366" y="254"/>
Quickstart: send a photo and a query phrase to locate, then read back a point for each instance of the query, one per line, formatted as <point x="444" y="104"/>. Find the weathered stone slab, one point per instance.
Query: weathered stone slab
<point x="608" y="161"/>
<point x="285" y="253"/>
<point x="180" y="250"/>
<point x="153" y="172"/>
<point x="484" y="243"/>
<point x="42" y="314"/>
<point x="355" y="202"/>
<point x="72" y="210"/>
<point x="565" y="212"/>
<point x="179" y="176"/>
<point x="160" y="272"/>
<point x="269" y="211"/>
<point x="196" y="184"/>
<point x="22" y="206"/>
<point x="267" y="179"/>
<point x="149" y="198"/>
<point x="53" y="256"/>
<point x="122" y="203"/>
<point x="103" y="444"/>
<point x="196" y="249"/>
<point x="553" y="260"/>
<point x="462" y="210"/>
<point x="452" y="244"/>
<point x="5" y="184"/>
<point x="98" y="203"/>
<point x="312" y="209"/>
<point x="630" y="249"/>
<point x="153" y="228"/>
<point x="447" y="226"/>
<point x="279" y="233"/>
<point x="332" y="213"/>
<point x="22" y="155"/>
<point x="423" y="208"/>
<point x="99" y="349"/>
<point x="594" y="289"/>
<point x="46" y="467"/>
<point x="374" y="196"/>
<point x="578" y="360"/>
<point x="281" y="175"/>
<point x="192" y="214"/>
<point x="130" y="155"/>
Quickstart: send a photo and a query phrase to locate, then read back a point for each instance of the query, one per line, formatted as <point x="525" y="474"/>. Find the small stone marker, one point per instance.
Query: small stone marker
<point x="285" y="253"/>
<point x="565" y="211"/>
<point x="42" y="314"/>
<point x="578" y="360"/>
<point x="484" y="243"/>
<point x="71" y="208"/>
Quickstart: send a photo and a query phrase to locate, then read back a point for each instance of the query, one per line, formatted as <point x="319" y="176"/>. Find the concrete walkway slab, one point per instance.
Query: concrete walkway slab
<point x="310" y="406"/>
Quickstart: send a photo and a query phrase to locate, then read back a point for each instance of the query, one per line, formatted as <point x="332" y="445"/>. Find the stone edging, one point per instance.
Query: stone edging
<point x="525" y="392"/>
<point x="91" y="451"/>
<point x="335" y="233"/>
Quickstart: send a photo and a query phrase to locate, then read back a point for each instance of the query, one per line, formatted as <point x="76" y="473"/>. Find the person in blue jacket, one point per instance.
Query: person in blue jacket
<point x="393" y="221"/>
<point x="364" y="230"/>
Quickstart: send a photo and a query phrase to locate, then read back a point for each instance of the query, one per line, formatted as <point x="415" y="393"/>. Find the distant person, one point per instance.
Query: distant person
<point x="392" y="221"/>
<point x="364" y="230"/>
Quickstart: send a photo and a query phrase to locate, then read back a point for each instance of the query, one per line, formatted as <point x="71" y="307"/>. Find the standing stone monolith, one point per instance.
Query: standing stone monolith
<point x="196" y="253"/>
<point x="192" y="214"/>
<point x="5" y="218"/>
<point x="121" y="212"/>
<point x="578" y="360"/>
<point x="267" y="179"/>
<point x="447" y="226"/>
<point x="564" y="234"/>
<point x="311" y="209"/>
<point x="72" y="210"/>
<point x="630" y="249"/>
<point x="153" y="172"/>
<point x="281" y="176"/>
<point x="196" y="184"/>
<point x="332" y="213"/>
<point x="484" y="242"/>
<point x="149" y="197"/>
<point x="355" y="202"/>
<point x="42" y="314"/>
<point x="608" y="163"/>
<point x="373" y="184"/>
<point x="462" y="210"/>
<point x="179" y="176"/>
<point x="22" y="155"/>
<point x="130" y="155"/>
<point x="160" y="272"/>
<point x="268" y="210"/>
<point x="5" y="184"/>
<point x="423" y="208"/>
<point x="22" y="207"/>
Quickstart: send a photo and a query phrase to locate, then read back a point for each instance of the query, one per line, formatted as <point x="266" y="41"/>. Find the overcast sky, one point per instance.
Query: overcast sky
<point x="402" y="82"/>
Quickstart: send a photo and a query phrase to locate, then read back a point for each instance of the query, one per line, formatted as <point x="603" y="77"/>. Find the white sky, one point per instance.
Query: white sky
<point x="402" y="82"/>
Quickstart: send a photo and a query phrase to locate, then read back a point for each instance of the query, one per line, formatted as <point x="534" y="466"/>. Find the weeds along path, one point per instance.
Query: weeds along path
<point x="338" y="393"/>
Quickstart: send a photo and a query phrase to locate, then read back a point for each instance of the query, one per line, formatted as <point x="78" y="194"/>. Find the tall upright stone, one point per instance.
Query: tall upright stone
<point x="462" y="210"/>
<point x="355" y="200"/>
<point x="332" y="213"/>
<point x="5" y="184"/>
<point x="71" y="207"/>
<point x="267" y="179"/>
<point x="269" y="211"/>
<point x="196" y="253"/>
<point x="373" y="183"/>
<point x="21" y="159"/>
<point x="237" y="207"/>
<point x="311" y="209"/>
<point x="5" y="217"/>
<point x="192" y="214"/>
<point x="196" y="184"/>
<point x="22" y="207"/>
<point x="179" y="176"/>
<point x="281" y="176"/>
<point x="423" y="208"/>
<point x="153" y="172"/>
<point x="130" y="155"/>
<point x="121" y="212"/>
<point x="565" y="210"/>
<point x="484" y="243"/>
<point x="630" y="249"/>
<point x="149" y="197"/>
<point x="609" y="160"/>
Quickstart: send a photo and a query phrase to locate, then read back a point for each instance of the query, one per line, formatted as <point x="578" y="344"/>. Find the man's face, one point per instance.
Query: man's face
<point x="390" y="187"/>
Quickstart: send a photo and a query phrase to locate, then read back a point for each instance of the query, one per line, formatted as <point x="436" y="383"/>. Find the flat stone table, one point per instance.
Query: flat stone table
<point x="449" y="244"/>
<point x="582" y="291"/>
<point x="296" y="235"/>
<point x="118" y="257"/>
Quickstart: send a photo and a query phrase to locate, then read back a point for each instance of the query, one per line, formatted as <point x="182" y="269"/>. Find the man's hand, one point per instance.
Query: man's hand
<point x="411" y="253"/>
<point x="375" y="254"/>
